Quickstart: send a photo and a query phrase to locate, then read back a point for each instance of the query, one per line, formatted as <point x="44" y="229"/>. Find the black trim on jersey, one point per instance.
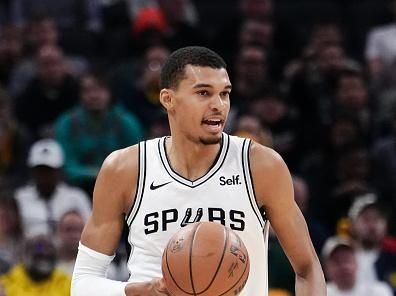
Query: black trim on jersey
<point x="125" y="240"/>
<point x="250" y="180"/>
<point x="261" y="209"/>
<point x="205" y="177"/>
<point x="137" y="188"/>
<point x="142" y="186"/>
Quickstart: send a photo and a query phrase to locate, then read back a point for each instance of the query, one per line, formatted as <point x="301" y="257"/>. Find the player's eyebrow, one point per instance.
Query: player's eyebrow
<point x="202" y="85"/>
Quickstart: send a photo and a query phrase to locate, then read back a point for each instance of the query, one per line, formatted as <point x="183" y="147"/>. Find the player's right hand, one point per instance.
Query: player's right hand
<point x="155" y="287"/>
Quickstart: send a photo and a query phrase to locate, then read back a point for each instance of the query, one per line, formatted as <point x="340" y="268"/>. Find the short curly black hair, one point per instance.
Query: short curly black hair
<point x="173" y="70"/>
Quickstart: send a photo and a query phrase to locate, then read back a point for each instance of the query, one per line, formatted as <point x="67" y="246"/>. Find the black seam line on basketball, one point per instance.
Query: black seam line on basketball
<point x="190" y="258"/>
<point x="167" y="267"/>
<point x="137" y="187"/>
<point x="219" y="265"/>
<point x="154" y="187"/>
<point x="243" y="273"/>
<point x="245" y="173"/>
<point x="143" y="182"/>
<point x="186" y="182"/>
<point x="170" y="272"/>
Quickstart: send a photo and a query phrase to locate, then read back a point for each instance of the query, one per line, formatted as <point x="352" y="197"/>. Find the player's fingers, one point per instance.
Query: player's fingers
<point x="161" y="287"/>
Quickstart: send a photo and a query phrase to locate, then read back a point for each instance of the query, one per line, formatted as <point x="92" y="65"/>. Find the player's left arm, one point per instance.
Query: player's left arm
<point x="274" y="191"/>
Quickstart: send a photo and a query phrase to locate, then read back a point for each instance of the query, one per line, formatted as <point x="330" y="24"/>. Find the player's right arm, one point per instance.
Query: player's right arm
<point x="112" y="198"/>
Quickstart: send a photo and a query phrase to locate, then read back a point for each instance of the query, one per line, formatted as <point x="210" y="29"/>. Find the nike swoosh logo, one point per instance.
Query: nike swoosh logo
<point x="153" y="187"/>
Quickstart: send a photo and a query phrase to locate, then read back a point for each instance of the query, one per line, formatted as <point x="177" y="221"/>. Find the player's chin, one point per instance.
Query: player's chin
<point x="210" y="140"/>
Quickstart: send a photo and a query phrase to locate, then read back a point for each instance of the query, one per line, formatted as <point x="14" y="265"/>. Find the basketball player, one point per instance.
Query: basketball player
<point x="198" y="173"/>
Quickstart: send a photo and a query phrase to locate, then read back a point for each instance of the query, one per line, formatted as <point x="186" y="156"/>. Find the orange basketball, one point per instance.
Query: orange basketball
<point x="205" y="259"/>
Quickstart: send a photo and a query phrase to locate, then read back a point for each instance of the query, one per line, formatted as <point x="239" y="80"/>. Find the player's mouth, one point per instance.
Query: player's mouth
<point x="213" y="125"/>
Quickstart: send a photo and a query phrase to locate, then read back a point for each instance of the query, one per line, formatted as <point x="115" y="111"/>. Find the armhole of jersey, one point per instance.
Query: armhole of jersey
<point x="249" y="181"/>
<point x="141" y="180"/>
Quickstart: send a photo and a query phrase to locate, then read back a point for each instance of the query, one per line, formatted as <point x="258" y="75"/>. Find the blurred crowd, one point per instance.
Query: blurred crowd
<point x="80" y="78"/>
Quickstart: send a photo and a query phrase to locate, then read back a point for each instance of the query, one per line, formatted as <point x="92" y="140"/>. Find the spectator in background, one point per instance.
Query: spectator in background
<point x="384" y="166"/>
<point x="11" y="45"/>
<point x="277" y="116"/>
<point x="256" y="32"/>
<point x="139" y="92"/>
<point x="318" y="232"/>
<point x="10" y="232"/>
<point x="149" y="29"/>
<point x="311" y="86"/>
<point x="386" y="263"/>
<point x="320" y="167"/>
<point x="50" y="93"/>
<point x="14" y="144"/>
<point x="249" y="126"/>
<point x="93" y="129"/>
<point x="340" y="265"/>
<point x="255" y="9"/>
<point x="250" y="16"/>
<point x="369" y="228"/>
<point x="321" y="35"/>
<point x="69" y="229"/>
<point x="352" y="99"/>
<point x="190" y="12"/>
<point x="36" y="275"/>
<point x="81" y="14"/>
<point x="42" y="31"/>
<point x="351" y="179"/>
<point x="181" y="31"/>
<point x="250" y="75"/>
<point x="380" y="53"/>
<point x="44" y="200"/>
<point x="166" y="24"/>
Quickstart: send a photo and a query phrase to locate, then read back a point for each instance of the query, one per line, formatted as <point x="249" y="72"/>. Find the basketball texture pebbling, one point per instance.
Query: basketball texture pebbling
<point x="205" y="259"/>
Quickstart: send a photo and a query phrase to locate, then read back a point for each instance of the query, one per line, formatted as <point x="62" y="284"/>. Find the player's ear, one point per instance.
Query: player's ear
<point x="166" y="95"/>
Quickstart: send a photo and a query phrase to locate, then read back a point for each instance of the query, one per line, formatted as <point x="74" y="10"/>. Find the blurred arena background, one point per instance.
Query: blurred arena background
<point x="313" y="79"/>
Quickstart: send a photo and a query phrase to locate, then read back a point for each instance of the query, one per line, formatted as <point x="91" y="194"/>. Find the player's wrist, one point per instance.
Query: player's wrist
<point x="155" y="287"/>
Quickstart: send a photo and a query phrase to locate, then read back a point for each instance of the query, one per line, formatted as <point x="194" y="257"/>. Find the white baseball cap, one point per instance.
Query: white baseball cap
<point x="334" y="242"/>
<point x="46" y="152"/>
<point x="361" y="203"/>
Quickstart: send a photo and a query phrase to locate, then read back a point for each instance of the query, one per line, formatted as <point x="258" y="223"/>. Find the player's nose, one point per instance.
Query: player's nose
<point x="217" y="103"/>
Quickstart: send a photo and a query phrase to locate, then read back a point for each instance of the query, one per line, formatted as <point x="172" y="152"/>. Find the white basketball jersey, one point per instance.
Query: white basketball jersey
<point x="165" y="202"/>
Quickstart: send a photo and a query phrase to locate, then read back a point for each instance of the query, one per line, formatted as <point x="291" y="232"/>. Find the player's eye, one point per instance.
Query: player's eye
<point x="225" y="93"/>
<point x="203" y="93"/>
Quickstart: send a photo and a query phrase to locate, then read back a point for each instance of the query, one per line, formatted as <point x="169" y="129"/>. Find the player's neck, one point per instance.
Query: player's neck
<point x="191" y="160"/>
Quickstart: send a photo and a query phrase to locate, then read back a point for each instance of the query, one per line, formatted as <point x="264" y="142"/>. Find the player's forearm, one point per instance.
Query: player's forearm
<point x="311" y="282"/>
<point x="89" y="276"/>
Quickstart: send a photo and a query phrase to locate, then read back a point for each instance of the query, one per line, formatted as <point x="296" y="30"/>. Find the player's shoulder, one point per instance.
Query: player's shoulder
<point x="264" y="156"/>
<point x="122" y="160"/>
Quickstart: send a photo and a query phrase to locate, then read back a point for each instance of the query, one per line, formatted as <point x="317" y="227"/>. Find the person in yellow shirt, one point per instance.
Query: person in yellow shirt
<point x="36" y="275"/>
